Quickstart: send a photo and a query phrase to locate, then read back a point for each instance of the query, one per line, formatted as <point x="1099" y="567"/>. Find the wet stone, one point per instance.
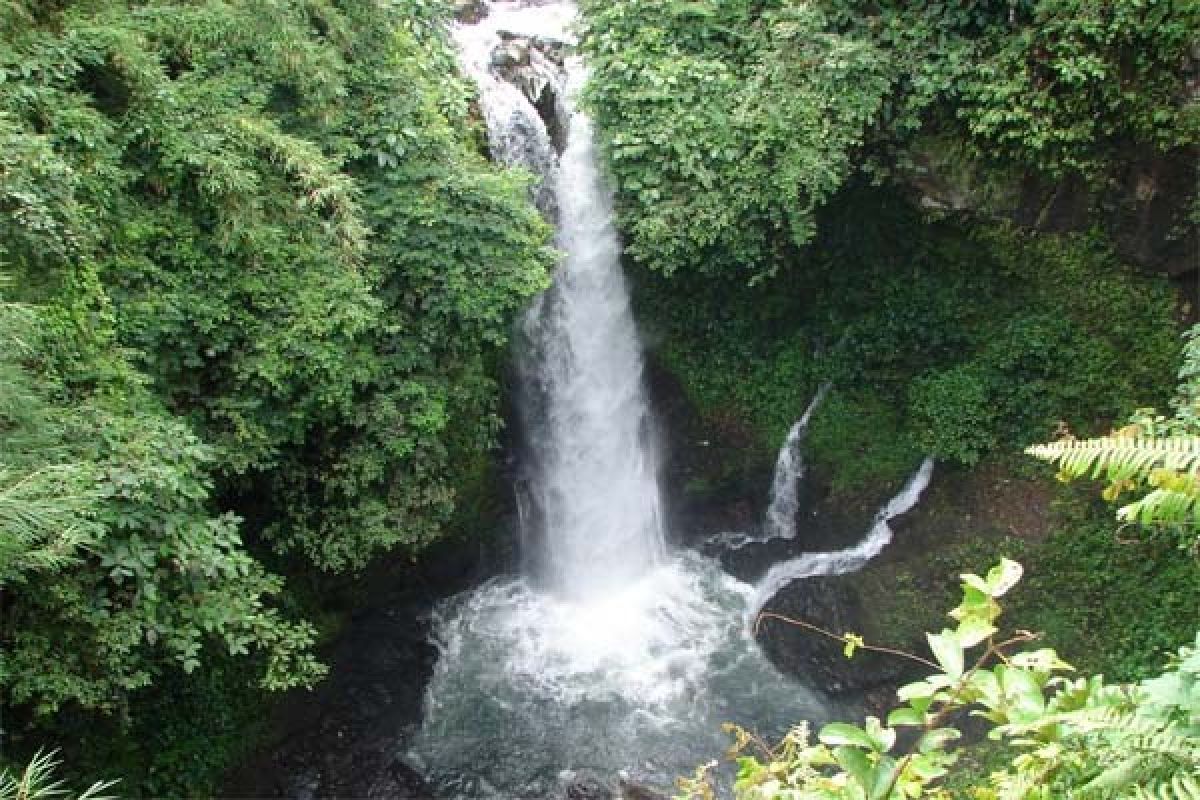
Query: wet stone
<point x="588" y="789"/>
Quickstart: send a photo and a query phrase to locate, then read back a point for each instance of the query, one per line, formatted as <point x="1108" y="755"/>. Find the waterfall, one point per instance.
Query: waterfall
<point x="789" y="470"/>
<point x="784" y="501"/>
<point x="608" y="653"/>
<point x="594" y="477"/>
<point x="592" y="519"/>
<point x="852" y="558"/>
<point x="517" y="132"/>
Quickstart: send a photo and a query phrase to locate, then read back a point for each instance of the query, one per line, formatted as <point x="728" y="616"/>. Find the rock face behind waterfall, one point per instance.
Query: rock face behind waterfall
<point x="535" y="65"/>
<point x="522" y="85"/>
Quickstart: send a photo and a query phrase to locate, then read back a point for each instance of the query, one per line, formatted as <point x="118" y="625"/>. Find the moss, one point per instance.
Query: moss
<point x="968" y="340"/>
<point x="1110" y="602"/>
<point x="909" y="596"/>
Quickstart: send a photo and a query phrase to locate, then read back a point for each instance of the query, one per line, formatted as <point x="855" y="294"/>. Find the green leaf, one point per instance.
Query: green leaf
<point x="937" y="739"/>
<point x="841" y="733"/>
<point x="1003" y="577"/>
<point x="1043" y="660"/>
<point x="905" y="715"/>
<point x="948" y="652"/>
<point x="1022" y="689"/>
<point x="973" y="630"/>
<point x="856" y="763"/>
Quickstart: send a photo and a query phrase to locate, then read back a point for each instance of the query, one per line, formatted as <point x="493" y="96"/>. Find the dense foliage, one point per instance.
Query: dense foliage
<point x="1070" y="737"/>
<point x="257" y="275"/>
<point x="1065" y="737"/>
<point x="260" y="273"/>
<point x="1155" y="456"/>
<point x="730" y="122"/>
<point x="113" y="561"/>
<point x="939" y="338"/>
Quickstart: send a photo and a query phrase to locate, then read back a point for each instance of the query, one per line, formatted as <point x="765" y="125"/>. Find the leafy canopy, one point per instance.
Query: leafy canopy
<point x="728" y="123"/>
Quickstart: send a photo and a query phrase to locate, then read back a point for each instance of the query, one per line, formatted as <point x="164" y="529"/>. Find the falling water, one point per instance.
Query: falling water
<point x="784" y="501"/>
<point x="789" y="471"/>
<point x="608" y="653"/>
<point x="852" y="558"/>
<point x="594" y="478"/>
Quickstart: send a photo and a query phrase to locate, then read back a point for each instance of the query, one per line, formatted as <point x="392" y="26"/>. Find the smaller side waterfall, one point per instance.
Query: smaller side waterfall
<point x="784" y="502"/>
<point x="789" y="470"/>
<point x="851" y="559"/>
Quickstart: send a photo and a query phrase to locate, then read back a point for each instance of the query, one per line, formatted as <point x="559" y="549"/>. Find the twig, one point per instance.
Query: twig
<point x="858" y="644"/>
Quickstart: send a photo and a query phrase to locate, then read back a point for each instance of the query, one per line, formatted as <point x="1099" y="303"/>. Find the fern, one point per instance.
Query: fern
<point x="1166" y="465"/>
<point x="1121" y="458"/>
<point x="1180" y="787"/>
<point x="1157" y="455"/>
<point x="37" y="782"/>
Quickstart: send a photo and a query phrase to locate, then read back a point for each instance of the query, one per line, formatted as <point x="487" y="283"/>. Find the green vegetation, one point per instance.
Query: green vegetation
<point x="730" y="123"/>
<point x="938" y="337"/>
<point x="37" y="782"/>
<point x="1114" y="604"/>
<point x="259" y="277"/>
<point x="1154" y="455"/>
<point x="1111" y="603"/>
<point x="828" y="192"/>
<point x="1070" y="737"/>
<point x="1061" y="736"/>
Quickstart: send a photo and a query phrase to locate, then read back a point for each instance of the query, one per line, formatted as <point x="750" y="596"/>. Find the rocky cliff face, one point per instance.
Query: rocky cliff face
<point x="1144" y="204"/>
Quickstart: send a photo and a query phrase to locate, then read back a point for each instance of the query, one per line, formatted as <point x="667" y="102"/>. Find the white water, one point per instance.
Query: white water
<point x="530" y="688"/>
<point x="594" y="480"/>
<point x="592" y="517"/>
<point x="789" y="471"/>
<point x="608" y="654"/>
<point x="851" y="559"/>
<point x="784" y="501"/>
<point x="517" y="135"/>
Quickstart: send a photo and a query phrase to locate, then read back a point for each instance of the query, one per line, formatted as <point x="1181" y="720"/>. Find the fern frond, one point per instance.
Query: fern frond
<point x="1179" y="787"/>
<point x="38" y="782"/>
<point x="1162" y="506"/>
<point x="1119" y="458"/>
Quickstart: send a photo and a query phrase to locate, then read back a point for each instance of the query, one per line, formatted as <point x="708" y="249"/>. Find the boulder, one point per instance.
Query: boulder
<point x="832" y="603"/>
<point x="635" y="791"/>
<point x="470" y="12"/>
<point x="588" y="789"/>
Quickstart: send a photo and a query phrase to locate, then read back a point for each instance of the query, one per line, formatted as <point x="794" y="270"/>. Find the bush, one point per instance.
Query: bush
<point x="953" y="414"/>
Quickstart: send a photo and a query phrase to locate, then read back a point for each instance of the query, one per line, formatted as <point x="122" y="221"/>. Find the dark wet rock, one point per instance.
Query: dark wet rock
<point x="588" y="789"/>
<point x="635" y="791"/>
<point x="399" y="781"/>
<point x="716" y="480"/>
<point x="305" y="785"/>
<point x="511" y="54"/>
<point x="832" y="603"/>
<point x="469" y="12"/>
<point x="346" y="738"/>
<point x="535" y="65"/>
<point x="1144" y="202"/>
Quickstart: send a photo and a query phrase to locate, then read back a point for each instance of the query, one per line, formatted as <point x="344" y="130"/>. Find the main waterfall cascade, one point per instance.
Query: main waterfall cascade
<point x="609" y="654"/>
<point x="594" y="471"/>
